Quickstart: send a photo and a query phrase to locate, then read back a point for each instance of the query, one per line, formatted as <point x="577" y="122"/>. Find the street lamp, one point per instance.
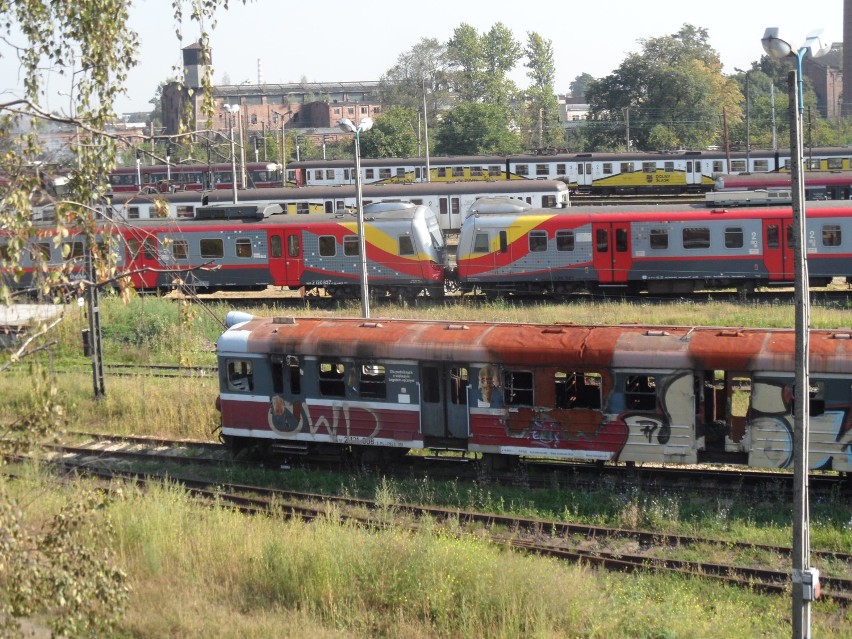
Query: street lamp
<point x="805" y="578"/>
<point x="232" y="110"/>
<point x="347" y="125"/>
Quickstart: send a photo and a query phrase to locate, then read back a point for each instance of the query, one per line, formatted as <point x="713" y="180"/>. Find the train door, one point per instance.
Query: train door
<point x="443" y="408"/>
<point x="584" y="175"/>
<point x="724" y="407"/>
<point x="778" y="249"/>
<point x="450" y="212"/>
<point x="612" y="257"/>
<point x="285" y="257"/>
<point x="141" y="259"/>
<point x="693" y="173"/>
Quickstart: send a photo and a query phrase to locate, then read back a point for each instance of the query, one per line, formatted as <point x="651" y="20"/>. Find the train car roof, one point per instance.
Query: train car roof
<point x="558" y="345"/>
<point x="415" y="189"/>
<point x="776" y="179"/>
<point x="668" y="212"/>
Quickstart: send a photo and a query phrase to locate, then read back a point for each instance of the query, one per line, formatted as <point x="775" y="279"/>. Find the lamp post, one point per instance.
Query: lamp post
<point x="232" y="110"/>
<point x="347" y="125"/>
<point x="805" y="578"/>
<point x="748" y="118"/>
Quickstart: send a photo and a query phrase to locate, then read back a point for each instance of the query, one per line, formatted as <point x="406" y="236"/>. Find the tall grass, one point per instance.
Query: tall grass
<point x="198" y="572"/>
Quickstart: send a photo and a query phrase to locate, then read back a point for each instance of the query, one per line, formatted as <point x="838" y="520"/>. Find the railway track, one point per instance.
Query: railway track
<point x="759" y="567"/>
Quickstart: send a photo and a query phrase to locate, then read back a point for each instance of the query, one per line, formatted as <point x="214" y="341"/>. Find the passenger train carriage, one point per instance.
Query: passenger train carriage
<point x="658" y="249"/>
<point x="450" y="201"/>
<point x="252" y="246"/>
<point x="595" y="173"/>
<point x="620" y="393"/>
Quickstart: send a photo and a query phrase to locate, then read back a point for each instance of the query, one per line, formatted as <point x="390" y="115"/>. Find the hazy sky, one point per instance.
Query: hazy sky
<point x="351" y="41"/>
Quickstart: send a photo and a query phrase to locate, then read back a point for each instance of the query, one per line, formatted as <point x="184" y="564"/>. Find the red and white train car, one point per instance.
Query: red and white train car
<point x="603" y="393"/>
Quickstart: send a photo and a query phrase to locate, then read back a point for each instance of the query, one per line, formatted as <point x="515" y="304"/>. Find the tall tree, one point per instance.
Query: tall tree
<point x="542" y="109"/>
<point x="675" y="83"/>
<point x="580" y="84"/>
<point x="393" y="134"/>
<point x="466" y="58"/>
<point x="420" y="71"/>
<point x="61" y="570"/>
<point x="476" y="129"/>
<point x="501" y="52"/>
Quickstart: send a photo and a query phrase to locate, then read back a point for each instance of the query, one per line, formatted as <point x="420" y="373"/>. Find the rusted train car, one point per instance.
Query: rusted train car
<point x="677" y="395"/>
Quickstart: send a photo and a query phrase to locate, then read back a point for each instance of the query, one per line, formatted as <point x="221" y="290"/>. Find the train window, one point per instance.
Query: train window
<point x="459" y="382"/>
<point x="738" y="166"/>
<point x="480" y="243"/>
<point x="340" y="206"/>
<point x="455" y="205"/>
<point x="350" y="245"/>
<point x="518" y="388"/>
<point x="834" y="163"/>
<point x="627" y="167"/>
<point x="327" y="246"/>
<point x="72" y="250"/>
<point x="668" y="167"/>
<point x="39" y="251"/>
<point x="186" y="211"/>
<point x="329" y="174"/>
<point x="417" y="200"/>
<point x="373" y="382"/>
<point x="791" y="240"/>
<point x="621" y="243"/>
<point x="578" y="390"/>
<point x="602" y="240"/>
<point x="659" y="239"/>
<point x="370" y="174"/>
<point x="303" y="208"/>
<point x="495" y="171"/>
<point x="649" y="167"/>
<point x="430" y="385"/>
<point x="504" y="242"/>
<point x="132" y="212"/>
<point x="293" y="248"/>
<point x="243" y="247"/>
<point x="240" y="375"/>
<point x="522" y="169"/>
<point x="564" y="240"/>
<point x="696" y="237"/>
<point x="442" y="172"/>
<point x="212" y="247"/>
<point x="443" y="206"/>
<point x="560" y="169"/>
<point x="537" y="241"/>
<point x="331" y="383"/>
<point x="733" y="237"/>
<point x="542" y="170"/>
<point x="458" y="171"/>
<point x="180" y="249"/>
<point x="400" y="173"/>
<point x="831" y="235"/>
<point x="275" y="246"/>
<point x="580" y="169"/>
<point x="718" y="166"/>
<point x="329" y="206"/>
<point x="4" y="252"/>
<point x="640" y="392"/>
<point x="689" y="166"/>
<point x="606" y="168"/>
<point x="406" y="245"/>
<point x="761" y="165"/>
<point x="814" y="164"/>
<point x="772" y="236"/>
<point x="740" y="389"/>
<point x="816" y="403"/>
<point x="384" y="174"/>
<point x="346" y="176"/>
<point x="548" y="201"/>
